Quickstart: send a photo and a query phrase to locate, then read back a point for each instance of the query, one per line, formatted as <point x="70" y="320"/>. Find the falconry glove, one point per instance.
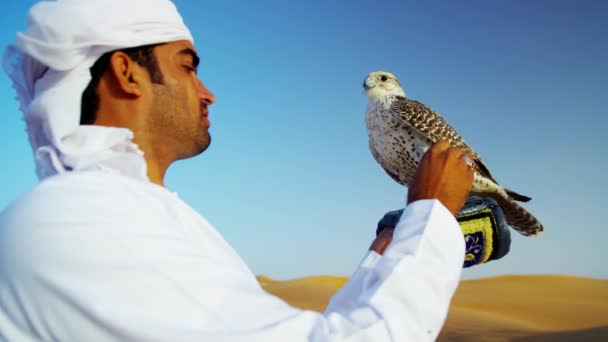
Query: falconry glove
<point x="483" y="225"/>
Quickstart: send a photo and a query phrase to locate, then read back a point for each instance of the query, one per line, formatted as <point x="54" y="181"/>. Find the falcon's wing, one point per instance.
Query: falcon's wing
<point x="434" y="127"/>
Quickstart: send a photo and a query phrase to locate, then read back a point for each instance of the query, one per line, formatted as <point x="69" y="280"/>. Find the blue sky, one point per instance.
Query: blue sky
<point x="289" y="180"/>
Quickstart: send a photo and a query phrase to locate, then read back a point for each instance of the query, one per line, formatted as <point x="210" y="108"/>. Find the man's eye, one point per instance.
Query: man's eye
<point x="190" y="69"/>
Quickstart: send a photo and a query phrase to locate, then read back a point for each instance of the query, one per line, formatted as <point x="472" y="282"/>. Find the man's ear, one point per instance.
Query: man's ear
<point x="128" y="74"/>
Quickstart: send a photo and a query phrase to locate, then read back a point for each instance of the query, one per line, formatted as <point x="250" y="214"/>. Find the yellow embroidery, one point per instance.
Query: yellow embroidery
<point x="471" y="229"/>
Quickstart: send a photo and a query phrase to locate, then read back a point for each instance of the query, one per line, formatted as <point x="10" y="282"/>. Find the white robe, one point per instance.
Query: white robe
<point x="96" y="252"/>
<point x="97" y="255"/>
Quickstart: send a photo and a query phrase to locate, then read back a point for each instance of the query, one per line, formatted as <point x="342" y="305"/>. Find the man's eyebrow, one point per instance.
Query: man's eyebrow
<point x="189" y="52"/>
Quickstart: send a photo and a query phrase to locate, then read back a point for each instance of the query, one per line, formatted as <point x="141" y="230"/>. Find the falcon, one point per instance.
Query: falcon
<point x="401" y="130"/>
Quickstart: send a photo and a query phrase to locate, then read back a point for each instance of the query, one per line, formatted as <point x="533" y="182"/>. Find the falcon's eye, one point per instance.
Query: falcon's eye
<point x="383" y="78"/>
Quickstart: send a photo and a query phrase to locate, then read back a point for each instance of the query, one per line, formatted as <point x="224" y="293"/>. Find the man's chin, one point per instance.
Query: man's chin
<point x="200" y="147"/>
<point x="204" y="146"/>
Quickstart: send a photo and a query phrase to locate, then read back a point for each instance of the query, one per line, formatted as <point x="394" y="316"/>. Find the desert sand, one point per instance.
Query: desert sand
<point x="506" y="308"/>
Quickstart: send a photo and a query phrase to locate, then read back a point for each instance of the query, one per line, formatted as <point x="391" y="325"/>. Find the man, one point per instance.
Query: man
<point x="99" y="250"/>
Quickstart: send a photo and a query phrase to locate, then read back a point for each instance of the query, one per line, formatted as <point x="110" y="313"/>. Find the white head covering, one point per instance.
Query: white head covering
<point x="49" y="65"/>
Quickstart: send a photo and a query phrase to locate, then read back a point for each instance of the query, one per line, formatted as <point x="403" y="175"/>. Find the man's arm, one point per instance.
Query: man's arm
<point x="151" y="271"/>
<point x="443" y="176"/>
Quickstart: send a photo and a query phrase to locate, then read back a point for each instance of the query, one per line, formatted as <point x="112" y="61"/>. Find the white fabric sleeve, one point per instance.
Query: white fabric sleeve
<point x="98" y="270"/>
<point x="411" y="286"/>
<point x="346" y="298"/>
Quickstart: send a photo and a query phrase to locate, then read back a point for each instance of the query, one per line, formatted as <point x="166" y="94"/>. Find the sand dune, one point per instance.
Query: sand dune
<point x="507" y="308"/>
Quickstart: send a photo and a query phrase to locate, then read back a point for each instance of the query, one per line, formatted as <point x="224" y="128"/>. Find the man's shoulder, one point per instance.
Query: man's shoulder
<point x="74" y="194"/>
<point x="83" y="209"/>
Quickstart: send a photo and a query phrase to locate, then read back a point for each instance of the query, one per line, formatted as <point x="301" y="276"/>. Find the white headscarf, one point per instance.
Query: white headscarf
<point x="49" y="66"/>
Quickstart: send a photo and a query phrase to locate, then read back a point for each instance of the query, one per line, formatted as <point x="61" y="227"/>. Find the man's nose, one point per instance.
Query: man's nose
<point x="204" y="94"/>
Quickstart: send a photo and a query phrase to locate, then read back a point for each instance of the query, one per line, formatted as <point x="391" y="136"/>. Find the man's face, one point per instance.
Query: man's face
<point x="179" y="112"/>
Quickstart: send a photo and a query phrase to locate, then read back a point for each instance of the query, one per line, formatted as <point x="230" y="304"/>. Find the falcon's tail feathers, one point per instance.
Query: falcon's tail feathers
<point x="514" y="195"/>
<point x="518" y="217"/>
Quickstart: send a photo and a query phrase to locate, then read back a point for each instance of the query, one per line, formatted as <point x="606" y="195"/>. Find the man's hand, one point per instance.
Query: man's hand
<point x="382" y="241"/>
<point x="444" y="175"/>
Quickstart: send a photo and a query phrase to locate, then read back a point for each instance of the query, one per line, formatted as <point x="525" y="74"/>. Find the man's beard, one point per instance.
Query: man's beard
<point x="206" y="146"/>
<point x="200" y="148"/>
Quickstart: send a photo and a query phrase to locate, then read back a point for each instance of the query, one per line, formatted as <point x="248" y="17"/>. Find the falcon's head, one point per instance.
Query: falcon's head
<point x="380" y="84"/>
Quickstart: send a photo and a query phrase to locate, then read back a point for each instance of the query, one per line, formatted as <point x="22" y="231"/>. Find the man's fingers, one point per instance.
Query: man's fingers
<point x="440" y="146"/>
<point x="469" y="155"/>
<point x="436" y="149"/>
<point x="468" y="159"/>
<point x="455" y="152"/>
<point x="445" y="173"/>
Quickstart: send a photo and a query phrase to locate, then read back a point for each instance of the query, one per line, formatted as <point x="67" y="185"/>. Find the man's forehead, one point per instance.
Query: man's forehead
<point x="180" y="45"/>
<point x="179" y="48"/>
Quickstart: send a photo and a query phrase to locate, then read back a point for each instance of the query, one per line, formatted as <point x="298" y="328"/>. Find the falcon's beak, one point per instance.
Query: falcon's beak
<point x="365" y="85"/>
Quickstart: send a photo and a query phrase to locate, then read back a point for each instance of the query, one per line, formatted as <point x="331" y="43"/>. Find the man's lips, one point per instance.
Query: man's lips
<point x="205" y="117"/>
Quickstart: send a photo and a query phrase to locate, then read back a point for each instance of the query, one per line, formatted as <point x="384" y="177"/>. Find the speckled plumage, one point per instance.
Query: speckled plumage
<point x="400" y="131"/>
